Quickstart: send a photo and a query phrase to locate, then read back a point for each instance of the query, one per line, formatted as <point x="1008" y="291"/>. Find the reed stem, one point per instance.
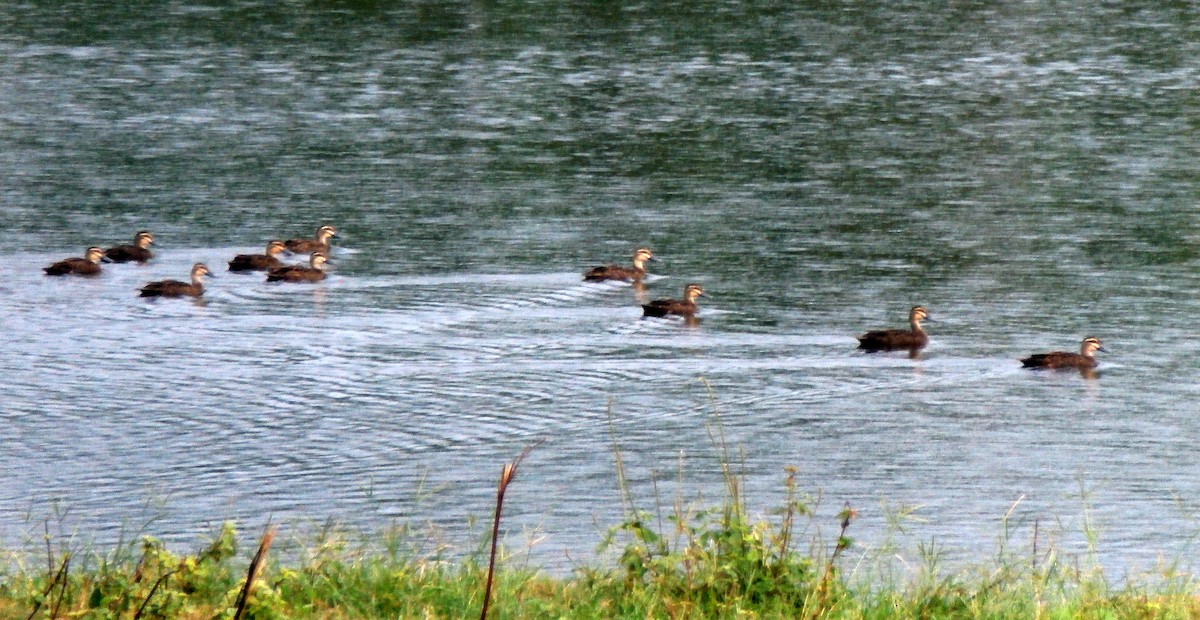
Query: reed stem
<point x="60" y="575"/>
<point x="506" y="477"/>
<point x="256" y="564"/>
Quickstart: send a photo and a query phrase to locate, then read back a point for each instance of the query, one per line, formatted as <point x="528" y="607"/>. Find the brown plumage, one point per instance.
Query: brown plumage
<point x="617" y="272"/>
<point x="682" y="307"/>
<point x="175" y="288"/>
<point x="315" y="271"/>
<point x="259" y="262"/>
<point x="1084" y="360"/>
<point x="320" y="243"/>
<point x="138" y="251"/>
<point x="89" y="265"/>
<point x="898" y="339"/>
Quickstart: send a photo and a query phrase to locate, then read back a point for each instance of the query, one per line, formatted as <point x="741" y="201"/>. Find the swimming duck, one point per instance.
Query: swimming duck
<point x="685" y="307"/>
<point x="1084" y="360"/>
<point x="89" y="265"/>
<point x="175" y="288"/>
<point x="318" y="244"/>
<point x="138" y="251"/>
<point x="314" y="272"/>
<point x="617" y="272"/>
<point x="259" y="262"/>
<point x="898" y="339"/>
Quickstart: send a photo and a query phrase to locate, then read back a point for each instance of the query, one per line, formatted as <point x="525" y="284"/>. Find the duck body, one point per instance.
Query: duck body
<point x="88" y="265"/>
<point x="685" y="307"/>
<point x="138" y="251"/>
<point x="306" y="246"/>
<point x="128" y="254"/>
<point x="319" y="243"/>
<point x="172" y="288"/>
<point x="259" y="262"/>
<point x="73" y="266"/>
<point x="892" y="340"/>
<point x="295" y="273"/>
<point x="254" y="262"/>
<point x="614" y="272"/>
<point x="898" y="339"/>
<point x="636" y="273"/>
<point x="314" y="272"/>
<point x="1084" y="360"/>
<point x="176" y="288"/>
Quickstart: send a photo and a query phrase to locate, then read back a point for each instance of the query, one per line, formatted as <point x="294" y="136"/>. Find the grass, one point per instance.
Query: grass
<point x="711" y="563"/>
<point x="676" y="561"/>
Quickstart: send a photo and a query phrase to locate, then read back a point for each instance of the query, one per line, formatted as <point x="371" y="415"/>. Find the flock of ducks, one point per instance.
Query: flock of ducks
<point x="318" y="248"/>
<point x="912" y="339"/>
<point x="139" y="251"/>
<point x="685" y="307"/>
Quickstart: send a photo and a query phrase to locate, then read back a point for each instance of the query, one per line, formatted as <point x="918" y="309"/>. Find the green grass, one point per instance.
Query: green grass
<point x="678" y="561"/>
<point x="716" y="563"/>
<point x="720" y="564"/>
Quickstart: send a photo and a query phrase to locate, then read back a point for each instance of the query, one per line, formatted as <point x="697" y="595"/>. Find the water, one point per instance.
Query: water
<point x="1026" y="172"/>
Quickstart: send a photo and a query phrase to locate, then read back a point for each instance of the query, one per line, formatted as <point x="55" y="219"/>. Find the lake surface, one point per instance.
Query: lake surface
<point x="1029" y="173"/>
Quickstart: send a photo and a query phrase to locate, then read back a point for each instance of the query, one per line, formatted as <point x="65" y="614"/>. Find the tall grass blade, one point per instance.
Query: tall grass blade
<point x="506" y="477"/>
<point x="260" y="557"/>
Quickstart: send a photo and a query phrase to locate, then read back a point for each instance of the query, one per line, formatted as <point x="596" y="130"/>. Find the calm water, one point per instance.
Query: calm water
<point x="1029" y="173"/>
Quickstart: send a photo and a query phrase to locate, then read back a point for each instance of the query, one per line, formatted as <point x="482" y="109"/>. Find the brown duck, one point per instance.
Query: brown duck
<point x="320" y="243"/>
<point x="898" y="339"/>
<point x="1084" y="360"/>
<point x="617" y="272"/>
<point x="682" y="307"/>
<point x="138" y="251"/>
<point x="89" y="265"/>
<point x="315" y="271"/>
<point x="175" y="288"/>
<point x="259" y="262"/>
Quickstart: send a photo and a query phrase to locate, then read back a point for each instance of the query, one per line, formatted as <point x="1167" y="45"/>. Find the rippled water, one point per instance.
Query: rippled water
<point x="1027" y="173"/>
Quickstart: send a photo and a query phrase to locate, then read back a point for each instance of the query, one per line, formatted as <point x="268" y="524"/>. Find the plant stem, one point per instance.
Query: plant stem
<point x="506" y="477"/>
<point x="255" y="566"/>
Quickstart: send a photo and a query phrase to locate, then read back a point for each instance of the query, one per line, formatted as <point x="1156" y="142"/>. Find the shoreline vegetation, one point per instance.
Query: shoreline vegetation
<point x="677" y="561"/>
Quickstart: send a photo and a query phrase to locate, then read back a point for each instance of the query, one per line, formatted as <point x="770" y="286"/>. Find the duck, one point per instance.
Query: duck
<point x="1084" y="360"/>
<point x="898" y="339"/>
<point x="259" y="262"/>
<point x="138" y="251"/>
<point x="636" y="273"/>
<point x="686" y="307"/>
<point x="314" y="272"/>
<point x="89" y="265"/>
<point x="320" y="243"/>
<point x="175" y="288"/>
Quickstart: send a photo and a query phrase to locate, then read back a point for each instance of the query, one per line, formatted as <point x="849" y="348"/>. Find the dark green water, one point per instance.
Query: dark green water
<point x="1027" y="172"/>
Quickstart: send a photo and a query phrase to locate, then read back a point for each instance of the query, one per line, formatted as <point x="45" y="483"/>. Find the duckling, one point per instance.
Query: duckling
<point x="138" y="251"/>
<point x="617" y="272"/>
<point x="299" y="273"/>
<point x="89" y="265"/>
<point x="259" y="262"/>
<point x="898" y="339"/>
<point x="318" y="244"/>
<point x="1084" y="360"/>
<point x="175" y="288"/>
<point x="685" y="307"/>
